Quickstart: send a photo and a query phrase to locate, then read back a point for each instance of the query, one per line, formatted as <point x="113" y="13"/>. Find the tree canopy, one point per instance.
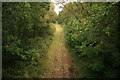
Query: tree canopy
<point x="92" y="32"/>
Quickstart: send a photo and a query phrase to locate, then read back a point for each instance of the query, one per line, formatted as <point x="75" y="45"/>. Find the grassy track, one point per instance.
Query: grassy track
<point x="58" y="63"/>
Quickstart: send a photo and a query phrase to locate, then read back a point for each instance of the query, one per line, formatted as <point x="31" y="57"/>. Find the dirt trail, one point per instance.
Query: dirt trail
<point x="58" y="62"/>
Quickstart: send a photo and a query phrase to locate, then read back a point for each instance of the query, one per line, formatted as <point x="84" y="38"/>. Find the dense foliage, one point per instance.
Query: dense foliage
<point x="92" y="32"/>
<point x="27" y="33"/>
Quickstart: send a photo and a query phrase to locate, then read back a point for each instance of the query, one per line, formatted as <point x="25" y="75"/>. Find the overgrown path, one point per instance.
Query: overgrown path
<point x="58" y="62"/>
